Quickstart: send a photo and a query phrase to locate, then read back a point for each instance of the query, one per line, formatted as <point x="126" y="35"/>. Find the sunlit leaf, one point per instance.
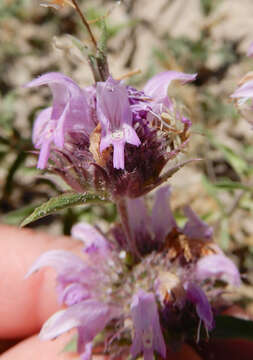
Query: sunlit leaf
<point x="61" y="202"/>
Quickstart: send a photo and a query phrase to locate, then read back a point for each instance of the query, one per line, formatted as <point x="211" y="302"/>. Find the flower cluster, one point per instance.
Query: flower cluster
<point x="167" y="294"/>
<point x="111" y="137"/>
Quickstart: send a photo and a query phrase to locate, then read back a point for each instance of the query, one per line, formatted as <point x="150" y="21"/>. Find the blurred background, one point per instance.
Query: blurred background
<point x="210" y="37"/>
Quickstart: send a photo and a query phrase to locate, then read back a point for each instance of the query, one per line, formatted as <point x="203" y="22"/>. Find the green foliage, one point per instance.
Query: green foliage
<point x="61" y="202"/>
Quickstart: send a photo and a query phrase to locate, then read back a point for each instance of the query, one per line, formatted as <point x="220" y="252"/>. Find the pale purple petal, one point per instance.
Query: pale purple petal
<point x="148" y="335"/>
<point x="91" y="238"/>
<point x="58" y="324"/>
<point x="217" y="266"/>
<point x="157" y="86"/>
<point x="113" y="105"/>
<point x="195" y="228"/>
<point x="40" y="126"/>
<point x="62" y="261"/>
<point x="245" y="91"/>
<point x="118" y="154"/>
<point x="69" y="112"/>
<point x="162" y="219"/>
<point x="73" y="294"/>
<point x="115" y="116"/>
<point x="87" y="354"/>
<point x="44" y="154"/>
<point x="130" y="135"/>
<point x="196" y="295"/>
<point x="90" y="315"/>
<point x="138" y="217"/>
<point x="250" y="50"/>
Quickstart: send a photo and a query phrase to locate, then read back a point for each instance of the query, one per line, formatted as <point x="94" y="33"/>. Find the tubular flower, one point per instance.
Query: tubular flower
<point x="168" y="291"/>
<point x="148" y="336"/>
<point x="116" y="119"/>
<point x="244" y="97"/>
<point x="110" y="136"/>
<point x="68" y="113"/>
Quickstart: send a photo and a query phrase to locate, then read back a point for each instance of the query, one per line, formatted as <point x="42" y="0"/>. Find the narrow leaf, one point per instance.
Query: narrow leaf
<point x="61" y="202"/>
<point x="232" y="185"/>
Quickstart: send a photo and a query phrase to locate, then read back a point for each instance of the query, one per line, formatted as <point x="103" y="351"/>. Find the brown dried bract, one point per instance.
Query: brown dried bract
<point x="190" y="249"/>
<point x="95" y="139"/>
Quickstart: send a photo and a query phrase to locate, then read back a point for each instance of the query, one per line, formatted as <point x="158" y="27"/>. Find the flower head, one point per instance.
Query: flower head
<point x="169" y="290"/>
<point x="110" y="136"/>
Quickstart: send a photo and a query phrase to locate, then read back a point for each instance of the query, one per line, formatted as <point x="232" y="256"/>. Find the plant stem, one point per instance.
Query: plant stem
<point x="85" y="22"/>
<point x="122" y="210"/>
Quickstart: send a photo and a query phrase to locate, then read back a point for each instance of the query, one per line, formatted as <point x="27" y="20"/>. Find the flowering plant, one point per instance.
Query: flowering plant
<point x="148" y="283"/>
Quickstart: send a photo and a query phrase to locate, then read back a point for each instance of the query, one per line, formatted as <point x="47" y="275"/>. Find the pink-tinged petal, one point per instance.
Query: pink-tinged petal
<point x="59" y="134"/>
<point x="113" y="105"/>
<point x="115" y="116"/>
<point x="91" y="238"/>
<point x="87" y="354"/>
<point x="157" y="86"/>
<point x="118" y="155"/>
<point x="162" y="219"/>
<point x="196" y="295"/>
<point x="69" y="112"/>
<point x="41" y="126"/>
<point x="138" y="217"/>
<point x="217" y="266"/>
<point x="148" y="335"/>
<point x="74" y="294"/>
<point x="62" y="261"/>
<point x="250" y="50"/>
<point x="245" y="91"/>
<point x="195" y="228"/>
<point x="89" y="315"/>
<point x="130" y="135"/>
<point x="58" y="324"/>
<point x="44" y="154"/>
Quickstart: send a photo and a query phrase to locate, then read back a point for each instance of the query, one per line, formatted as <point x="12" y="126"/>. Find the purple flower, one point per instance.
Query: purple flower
<point x="217" y="266"/>
<point x="151" y="231"/>
<point x="244" y="97"/>
<point x="148" y="336"/>
<point x="195" y="228"/>
<point x="115" y="117"/>
<point x="157" y="86"/>
<point x="89" y="317"/>
<point x="196" y="295"/>
<point x="89" y="134"/>
<point x="93" y="240"/>
<point x="68" y="113"/>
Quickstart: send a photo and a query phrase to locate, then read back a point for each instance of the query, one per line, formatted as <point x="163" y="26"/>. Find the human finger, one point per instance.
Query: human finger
<point x="26" y="303"/>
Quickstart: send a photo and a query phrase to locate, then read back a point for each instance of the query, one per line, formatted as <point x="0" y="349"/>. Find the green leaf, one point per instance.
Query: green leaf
<point x="232" y="185"/>
<point x="228" y="327"/>
<point x="234" y="159"/>
<point x="61" y="202"/>
<point x="71" y="346"/>
<point x="16" y="216"/>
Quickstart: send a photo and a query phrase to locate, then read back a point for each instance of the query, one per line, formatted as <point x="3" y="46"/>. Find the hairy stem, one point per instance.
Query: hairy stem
<point x="85" y="22"/>
<point x="122" y="210"/>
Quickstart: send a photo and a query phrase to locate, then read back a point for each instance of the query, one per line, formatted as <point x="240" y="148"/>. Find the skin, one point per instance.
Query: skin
<point x="25" y="304"/>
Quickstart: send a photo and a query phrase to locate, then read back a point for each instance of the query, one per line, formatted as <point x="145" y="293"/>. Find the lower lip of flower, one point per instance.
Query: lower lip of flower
<point x="118" y="135"/>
